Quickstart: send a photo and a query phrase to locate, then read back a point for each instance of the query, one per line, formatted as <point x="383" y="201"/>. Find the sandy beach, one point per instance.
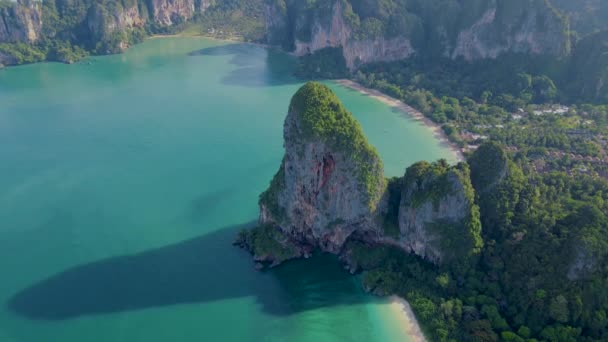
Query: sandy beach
<point x="406" y="319"/>
<point x="225" y="39"/>
<point x="408" y="110"/>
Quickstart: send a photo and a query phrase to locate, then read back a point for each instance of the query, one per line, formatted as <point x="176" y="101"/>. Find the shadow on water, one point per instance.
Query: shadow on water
<point x="203" y="269"/>
<point x="276" y="67"/>
<point x="206" y="204"/>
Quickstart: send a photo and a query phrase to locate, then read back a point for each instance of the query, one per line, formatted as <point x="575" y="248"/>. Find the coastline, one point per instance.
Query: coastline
<point x="225" y="39"/>
<point x="408" y="110"/>
<point x="406" y="319"/>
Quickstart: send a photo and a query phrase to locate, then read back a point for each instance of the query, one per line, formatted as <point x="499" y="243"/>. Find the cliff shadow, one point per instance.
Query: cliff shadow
<point x="257" y="66"/>
<point x="199" y="270"/>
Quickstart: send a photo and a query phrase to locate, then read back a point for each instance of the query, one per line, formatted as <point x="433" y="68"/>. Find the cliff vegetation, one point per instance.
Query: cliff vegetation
<point x="323" y="117"/>
<point x="487" y="250"/>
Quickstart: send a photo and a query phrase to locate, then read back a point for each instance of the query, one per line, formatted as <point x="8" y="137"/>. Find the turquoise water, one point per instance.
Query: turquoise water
<point x="124" y="179"/>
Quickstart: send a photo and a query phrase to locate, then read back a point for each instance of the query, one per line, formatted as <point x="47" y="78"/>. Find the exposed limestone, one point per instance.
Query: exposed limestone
<point x="438" y="218"/>
<point x="490" y="37"/>
<point x="276" y="23"/>
<point x="21" y="22"/>
<point x="169" y="12"/>
<point x="331" y="181"/>
<point x="335" y="32"/>
<point x="330" y="189"/>
<point x="489" y="30"/>
<point x="103" y="23"/>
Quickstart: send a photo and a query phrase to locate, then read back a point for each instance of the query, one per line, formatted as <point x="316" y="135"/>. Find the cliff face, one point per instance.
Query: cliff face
<point x="390" y="30"/>
<point x="438" y="218"/>
<point x="501" y="186"/>
<point x="275" y="15"/>
<point x="528" y="29"/>
<point x="330" y="189"/>
<point x="21" y="22"/>
<point x="331" y="181"/>
<point x="588" y="70"/>
<point x="316" y="29"/>
<point x="366" y="31"/>
<point x="170" y="12"/>
<point x="103" y="22"/>
<point x="586" y="16"/>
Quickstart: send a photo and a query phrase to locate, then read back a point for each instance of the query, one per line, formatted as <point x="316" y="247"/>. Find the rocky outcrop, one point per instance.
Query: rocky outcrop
<point x="104" y="21"/>
<point x="331" y="181"/>
<point x="585" y="251"/>
<point x="361" y="52"/>
<point x="369" y="33"/>
<point x="588" y="70"/>
<point x="323" y="30"/>
<point x="531" y="30"/>
<point x="20" y="22"/>
<point x="500" y="186"/>
<point x="169" y="12"/>
<point x="438" y="218"/>
<point x="277" y="29"/>
<point x="363" y="33"/>
<point x="330" y="189"/>
<point x="6" y="60"/>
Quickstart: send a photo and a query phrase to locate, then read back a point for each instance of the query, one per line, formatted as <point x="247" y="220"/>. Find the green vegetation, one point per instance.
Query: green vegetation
<point x="586" y="16"/>
<point x="74" y="29"/>
<point x="390" y="222"/>
<point x="424" y="182"/>
<point x="541" y="275"/>
<point x="270" y="197"/>
<point x="6" y="4"/>
<point x="322" y="116"/>
<point x="22" y="53"/>
<point x="324" y="63"/>
<point x="428" y="182"/>
<point x="488" y="166"/>
<point x="500" y="101"/>
<point x="589" y="68"/>
<point x="232" y="19"/>
<point x="267" y="241"/>
<point x="430" y="26"/>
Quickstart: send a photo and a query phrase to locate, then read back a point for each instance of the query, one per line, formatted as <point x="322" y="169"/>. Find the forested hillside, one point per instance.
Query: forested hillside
<point x="491" y="249"/>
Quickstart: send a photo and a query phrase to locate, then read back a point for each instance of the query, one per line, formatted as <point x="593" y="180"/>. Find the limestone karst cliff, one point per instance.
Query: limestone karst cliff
<point x="365" y="31"/>
<point x="438" y="217"/>
<point x="373" y="31"/>
<point x="331" y="180"/>
<point x="330" y="188"/>
<point x="170" y="12"/>
<point x="317" y="29"/>
<point x="588" y="69"/>
<point x="108" y="23"/>
<point x="99" y="26"/>
<point x="20" y="22"/>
